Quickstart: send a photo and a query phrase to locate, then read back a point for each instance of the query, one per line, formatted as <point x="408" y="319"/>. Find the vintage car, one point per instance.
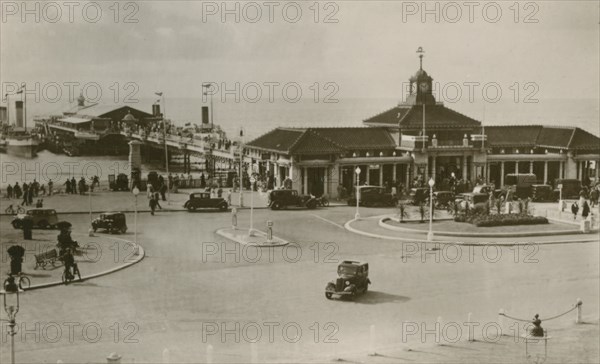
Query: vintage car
<point x="417" y="196"/>
<point x="121" y="183"/>
<point x="279" y="199"/>
<point x="373" y="196"/>
<point x="111" y="222"/>
<point x="471" y="200"/>
<point x="203" y="200"/>
<point x="442" y="198"/>
<point x="41" y="218"/>
<point x="543" y="193"/>
<point x="352" y="280"/>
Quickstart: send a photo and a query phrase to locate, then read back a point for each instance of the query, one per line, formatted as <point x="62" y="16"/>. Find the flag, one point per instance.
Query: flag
<point x="158" y="93"/>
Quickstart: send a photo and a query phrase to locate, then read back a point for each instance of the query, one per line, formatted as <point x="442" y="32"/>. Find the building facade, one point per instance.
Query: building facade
<point x="417" y="140"/>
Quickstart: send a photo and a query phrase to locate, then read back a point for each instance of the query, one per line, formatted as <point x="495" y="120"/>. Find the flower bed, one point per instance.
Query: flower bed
<point x="482" y="220"/>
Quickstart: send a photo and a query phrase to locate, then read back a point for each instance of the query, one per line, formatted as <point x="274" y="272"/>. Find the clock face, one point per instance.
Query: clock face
<point x="424" y="86"/>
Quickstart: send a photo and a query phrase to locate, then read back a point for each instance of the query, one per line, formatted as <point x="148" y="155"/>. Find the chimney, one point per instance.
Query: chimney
<point x="19" y="112"/>
<point x="205" y="115"/>
<point x="156" y="110"/>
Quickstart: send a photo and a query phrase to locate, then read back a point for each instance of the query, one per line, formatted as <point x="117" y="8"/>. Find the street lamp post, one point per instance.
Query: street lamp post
<point x="430" y="233"/>
<point x="252" y="180"/>
<point x="357" y="171"/>
<point x="136" y="192"/>
<point x="11" y="306"/>
<point x="241" y="178"/>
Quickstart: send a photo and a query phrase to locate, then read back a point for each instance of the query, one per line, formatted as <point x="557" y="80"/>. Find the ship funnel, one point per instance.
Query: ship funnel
<point x="205" y="115"/>
<point x="19" y="112"/>
<point x="156" y="110"/>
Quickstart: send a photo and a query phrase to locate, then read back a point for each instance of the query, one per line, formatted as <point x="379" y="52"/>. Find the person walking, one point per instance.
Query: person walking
<point x="50" y="186"/>
<point x="17" y="191"/>
<point x="153" y="204"/>
<point x="25" y="196"/>
<point x="574" y="210"/>
<point x="73" y="186"/>
<point x="594" y="195"/>
<point x="9" y="191"/>
<point x="585" y="210"/>
<point x="68" y="186"/>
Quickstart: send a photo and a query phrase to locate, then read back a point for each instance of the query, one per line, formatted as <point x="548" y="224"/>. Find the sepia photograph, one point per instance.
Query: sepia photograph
<point x="308" y="181"/>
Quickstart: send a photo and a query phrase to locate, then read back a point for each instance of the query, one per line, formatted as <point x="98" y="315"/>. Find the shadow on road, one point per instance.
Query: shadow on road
<point x="375" y="297"/>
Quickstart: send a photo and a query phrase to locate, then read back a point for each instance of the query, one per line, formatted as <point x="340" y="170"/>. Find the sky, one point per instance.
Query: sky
<point x="363" y="48"/>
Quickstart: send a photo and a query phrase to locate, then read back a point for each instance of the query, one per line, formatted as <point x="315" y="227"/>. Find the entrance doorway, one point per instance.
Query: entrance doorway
<point x="316" y="181"/>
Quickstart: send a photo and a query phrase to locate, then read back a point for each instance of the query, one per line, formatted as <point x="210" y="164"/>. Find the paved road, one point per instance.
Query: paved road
<point x="185" y="290"/>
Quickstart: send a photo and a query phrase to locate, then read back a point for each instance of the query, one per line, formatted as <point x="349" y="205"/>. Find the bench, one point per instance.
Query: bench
<point x="48" y="257"/>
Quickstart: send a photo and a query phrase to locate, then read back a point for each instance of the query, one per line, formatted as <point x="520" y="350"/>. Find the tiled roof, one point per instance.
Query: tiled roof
<point x="512" y="135"/>
<point x="541" y="136"/>
<point x="323" y="140"/>
<point x="582" y="140"/>
<point x="280" y="139"/>
<point x="436" y="116"/>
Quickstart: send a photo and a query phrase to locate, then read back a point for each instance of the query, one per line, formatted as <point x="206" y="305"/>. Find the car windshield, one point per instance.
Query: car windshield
<point x="347" y="270"/>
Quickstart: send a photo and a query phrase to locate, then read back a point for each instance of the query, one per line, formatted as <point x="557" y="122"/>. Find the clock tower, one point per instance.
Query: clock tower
<point x="420" y="85"/>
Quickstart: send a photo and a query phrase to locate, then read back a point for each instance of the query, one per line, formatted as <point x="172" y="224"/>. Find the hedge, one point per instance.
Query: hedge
<point x="502" y="220"/>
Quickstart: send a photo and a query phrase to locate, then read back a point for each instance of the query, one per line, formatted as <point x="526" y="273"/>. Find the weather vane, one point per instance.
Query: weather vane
<point x="420" y="51"/>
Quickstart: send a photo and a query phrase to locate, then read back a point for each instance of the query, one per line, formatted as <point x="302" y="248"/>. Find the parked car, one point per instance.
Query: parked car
<point x="417" y="196"/>
<point x="570" y="188"/>
<point x="543" y="193"/>
<point x="472" y="200"/>
<point x="203" y="200"/>
<point x="121" y="183"/>
<point x="353" y="280"/>
<point x="442" y="198"/>
<point x="111" y="222"/>
<point x="518" y="185"/>
<point x="373" y="196"/>
<point x="279" y="199"/>
<point x="41" y="218"/>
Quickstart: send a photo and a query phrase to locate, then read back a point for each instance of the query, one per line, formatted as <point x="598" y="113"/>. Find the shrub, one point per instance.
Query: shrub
<point x="507" y="220"/>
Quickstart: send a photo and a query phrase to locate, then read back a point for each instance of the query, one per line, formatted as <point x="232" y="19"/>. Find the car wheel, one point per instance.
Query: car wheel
<point x="223" y="207"/>
<point x="123" y="230"/>
<point x="192" y="208"/>
<point x="17" y="224"/>
<point x="275" y="206"/>
<point x="328" y="295"/>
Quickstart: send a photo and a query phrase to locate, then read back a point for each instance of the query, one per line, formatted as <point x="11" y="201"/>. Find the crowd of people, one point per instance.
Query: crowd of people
<point x="588" y="199"/>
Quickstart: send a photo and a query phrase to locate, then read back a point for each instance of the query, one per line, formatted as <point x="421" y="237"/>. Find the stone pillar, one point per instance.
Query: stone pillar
<point x="464" y="168"/>
<point x="501" y="174"/>
<point x="560" y="169"/>
<point x="531" y="167"/>
<point x="326" y="181"/>
<point x="407" y="176"/>
<point x="368" y="180"/>
<point x="433" y="167"/>
<point x="305" y="181"/>
<point x="381" y="175"/>
<point x="517" y="167"/>
<point x="395" y="166"/>
<point x="545" y="172"/>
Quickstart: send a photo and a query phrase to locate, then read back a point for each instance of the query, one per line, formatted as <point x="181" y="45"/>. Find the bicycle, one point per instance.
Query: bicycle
<point x="68" y="277"/>
<point x="22" y="281"/>
<point x="11" y="210"/>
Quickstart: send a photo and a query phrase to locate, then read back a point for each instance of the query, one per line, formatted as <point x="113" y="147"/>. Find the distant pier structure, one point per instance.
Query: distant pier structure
<point x="98" y="129"/>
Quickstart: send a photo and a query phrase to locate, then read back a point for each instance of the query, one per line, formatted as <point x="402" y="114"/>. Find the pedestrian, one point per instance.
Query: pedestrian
<point x="229" y="197"/>
<point x="36" y="187"/>
<point x="574" y="210"/>
<point x="9" y="191"/>
<point x="594" y="195"/>
<point x="30" y="196"/>
<point x="163" y="190"/>
<point x="585" y="210"/>
<point x="43" y="190"/>
<point x="17" y="191"/>
<point x="68" y="186"/>
<point x="82" y="186"/>
<point x="73" y="186"/>
<point x="220" y="192"/>
<point x="50" y="187"/>
<point x="153" y="204"/>
<point x="25" y="196"/>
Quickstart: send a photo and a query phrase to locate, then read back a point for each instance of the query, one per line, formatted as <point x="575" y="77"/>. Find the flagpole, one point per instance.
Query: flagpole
<point x="24" y="94"/>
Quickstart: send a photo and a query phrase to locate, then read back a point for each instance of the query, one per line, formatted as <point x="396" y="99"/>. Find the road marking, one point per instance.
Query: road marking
<point x="329" y="221"/>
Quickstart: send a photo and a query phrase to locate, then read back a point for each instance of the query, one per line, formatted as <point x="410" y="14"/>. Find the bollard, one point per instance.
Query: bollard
<point x="253" y="353"/>
<point x="579" y="313"/>
<point x="234" y="218"/>
<point x="209" y="354"/>
<point x="469" y="317"/>
<point x="166" y="356"/>
<point x="113" y="358"/>
<point x="269" y="231"/>
<point x="372" y="341"/>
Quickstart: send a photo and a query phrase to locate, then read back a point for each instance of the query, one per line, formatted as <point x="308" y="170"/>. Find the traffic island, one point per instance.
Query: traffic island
<point x="96" y="256"/>
<point x="257" y="238"/>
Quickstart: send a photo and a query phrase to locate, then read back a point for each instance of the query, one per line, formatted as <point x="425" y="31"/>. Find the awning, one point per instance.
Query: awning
<point x="74" y="120"/>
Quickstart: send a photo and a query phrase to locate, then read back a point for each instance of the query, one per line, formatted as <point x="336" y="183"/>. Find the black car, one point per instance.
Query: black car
<point x="543" y="193"/>
<point x="203" y="200"/>
<point x="373" y="196"/>
<point x="353" y="280"/>
<point x="121" y="183"/>
<point x="111" y="221"/>
<point x="279" y="199"/>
